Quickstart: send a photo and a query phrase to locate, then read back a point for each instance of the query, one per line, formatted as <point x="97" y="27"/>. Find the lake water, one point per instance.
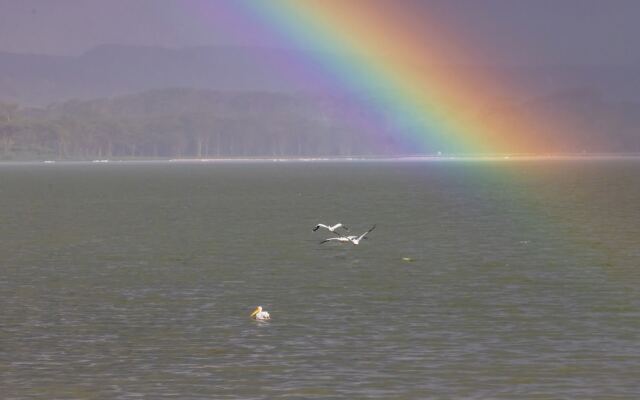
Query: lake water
<point x="123" y="281"/>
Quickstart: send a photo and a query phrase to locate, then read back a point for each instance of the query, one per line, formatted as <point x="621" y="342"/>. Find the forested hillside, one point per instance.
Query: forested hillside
<point x="186" y="123"/>
<point x="116" y="102"/>
<point x="176" y="123"/>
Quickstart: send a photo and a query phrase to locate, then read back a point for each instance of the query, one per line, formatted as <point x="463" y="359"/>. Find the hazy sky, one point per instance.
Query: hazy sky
<point x="517" y="31"/>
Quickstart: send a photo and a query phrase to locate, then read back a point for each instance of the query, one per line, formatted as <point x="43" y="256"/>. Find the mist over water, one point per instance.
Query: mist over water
<point x="130" y="280"/>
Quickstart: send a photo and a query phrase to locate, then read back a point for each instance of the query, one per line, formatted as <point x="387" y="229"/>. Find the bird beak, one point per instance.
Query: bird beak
<point x="255" y="312"/>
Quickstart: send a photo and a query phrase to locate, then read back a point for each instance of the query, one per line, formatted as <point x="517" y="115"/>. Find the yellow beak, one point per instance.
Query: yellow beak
<point x="257" y="310"/>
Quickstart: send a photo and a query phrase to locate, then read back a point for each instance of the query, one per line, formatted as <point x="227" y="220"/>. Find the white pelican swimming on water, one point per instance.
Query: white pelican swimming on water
<point x="330" y="228"/>
<point x="260" y="315"/>
<point x="349" y="239"/>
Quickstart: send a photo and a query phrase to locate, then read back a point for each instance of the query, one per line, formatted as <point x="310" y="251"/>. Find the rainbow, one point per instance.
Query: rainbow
<point x="396" y="61"/>
<point x="394" y="58"/>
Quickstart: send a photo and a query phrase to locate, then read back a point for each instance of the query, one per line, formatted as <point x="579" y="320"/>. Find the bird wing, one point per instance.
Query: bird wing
<point x="364" y="234"/>
<point x="337" y="238"/>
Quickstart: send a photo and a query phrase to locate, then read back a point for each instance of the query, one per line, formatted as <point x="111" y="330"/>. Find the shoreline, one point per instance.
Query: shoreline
<point x="407" y="158"/>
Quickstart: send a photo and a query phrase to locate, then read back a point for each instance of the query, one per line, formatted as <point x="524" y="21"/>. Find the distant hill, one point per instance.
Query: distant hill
<point x="113" y="70"/>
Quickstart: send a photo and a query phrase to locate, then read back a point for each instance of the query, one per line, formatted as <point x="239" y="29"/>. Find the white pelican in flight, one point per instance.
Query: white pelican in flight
<point x="330" y="228"/>
<point x="260" y="315"/>
<point x="339" y="239"/>
<point x="349" y="239"/>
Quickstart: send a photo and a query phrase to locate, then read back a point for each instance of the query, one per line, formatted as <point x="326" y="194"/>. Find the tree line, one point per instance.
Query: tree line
<point x="180" y="123"/>
<point x="190" y="123"/>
